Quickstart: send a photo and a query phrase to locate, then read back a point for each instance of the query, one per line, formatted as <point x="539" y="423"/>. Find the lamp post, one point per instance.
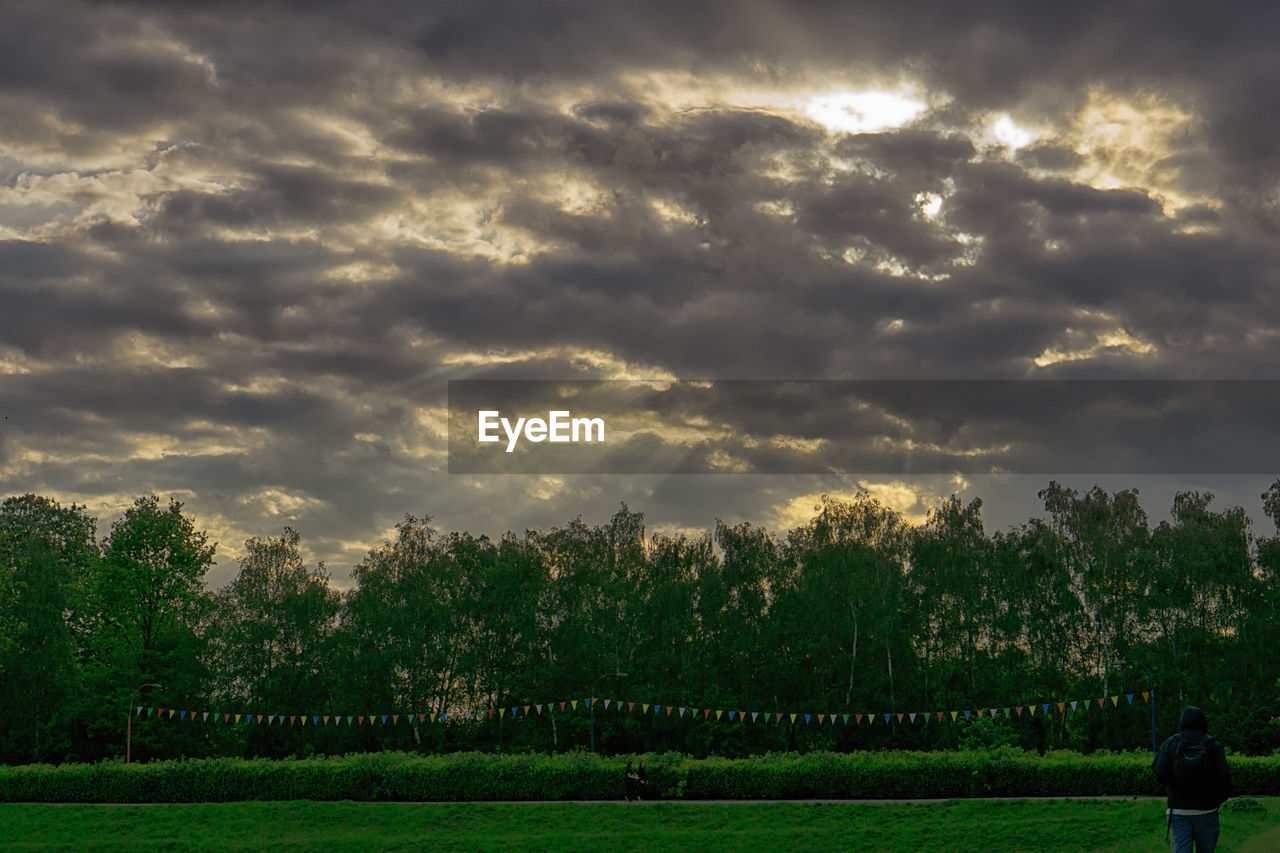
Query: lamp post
<point x="128" y="737"/>
<point x="1151" y="677"/>
<point x="592" y="700"/>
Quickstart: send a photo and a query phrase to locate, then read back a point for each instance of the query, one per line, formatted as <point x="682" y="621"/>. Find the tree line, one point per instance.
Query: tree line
<point x="856" y="611"/>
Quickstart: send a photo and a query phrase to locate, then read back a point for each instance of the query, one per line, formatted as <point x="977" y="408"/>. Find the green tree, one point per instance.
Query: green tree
<point x="407" y="625"/>
<point x="270" y="636"/>
<point x="847" y="593"/>
<point x="1105" y="546"/>
<point x="46" y="554"/>
<point x="150" y="600"/>
<point x="1203" y="585"/>
<point x="951" y="562"/>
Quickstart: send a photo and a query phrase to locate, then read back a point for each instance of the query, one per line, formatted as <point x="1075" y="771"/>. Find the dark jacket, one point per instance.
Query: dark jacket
<point x="1210" y="784"/>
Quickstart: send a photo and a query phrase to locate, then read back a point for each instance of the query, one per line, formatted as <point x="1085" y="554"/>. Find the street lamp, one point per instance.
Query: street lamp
<point x="1151" y="677"/>
<point x="128" y="738"/>
<point x="592" y="699"/>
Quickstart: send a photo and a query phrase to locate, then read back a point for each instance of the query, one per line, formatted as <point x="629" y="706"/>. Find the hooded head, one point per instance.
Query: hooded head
<point x="1193" y="718"/>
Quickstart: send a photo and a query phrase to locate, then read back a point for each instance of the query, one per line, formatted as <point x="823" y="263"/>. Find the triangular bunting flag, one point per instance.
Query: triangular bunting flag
<point x="1115" y="700"/>
<point x="645" y="708"/>
<point x="1130" y="697"/>
<point x="718" y="713"/>
<point x="237" y="719"/>
<point x="778" y="717"/>
<point x="574" y="703"/>
<point x="858" y="718"/>
<point x="682" y="710"/>
<point x="1019" y="710"/>
<point x="1062" y="707"/>
<point x="395" y="719"/>
<point x="1100" y="701"/>
<point x="913" y="717"/>
<point x="886" y="719"/>
<point x="1145" y="696"/>
<point x="293" y="718"/>
<point x="205" y="718"/>
<point x="1074" y="703"/>
<point x="793" y="718"/>
<point x="631" y="706"/>
<point x="900" y="717"/>
<point x="954" y="714"/>
<point x="606" y="704"/>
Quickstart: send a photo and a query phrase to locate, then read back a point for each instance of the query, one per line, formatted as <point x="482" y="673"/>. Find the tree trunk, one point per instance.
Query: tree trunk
<point x="853" y="661"/>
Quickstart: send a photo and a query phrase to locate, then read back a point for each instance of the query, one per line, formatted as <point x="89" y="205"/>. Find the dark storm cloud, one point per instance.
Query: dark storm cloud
<point x="243" y="245"/>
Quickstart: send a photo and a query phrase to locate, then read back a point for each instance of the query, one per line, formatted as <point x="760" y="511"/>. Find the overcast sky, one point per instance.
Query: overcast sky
<point x="243" y="249"/>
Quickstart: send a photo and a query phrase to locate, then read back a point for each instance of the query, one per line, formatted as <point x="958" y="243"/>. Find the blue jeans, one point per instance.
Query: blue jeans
<point x="1200" y="830"/>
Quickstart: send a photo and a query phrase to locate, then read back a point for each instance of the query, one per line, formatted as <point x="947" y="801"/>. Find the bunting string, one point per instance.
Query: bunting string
<point x="625" y="706"/>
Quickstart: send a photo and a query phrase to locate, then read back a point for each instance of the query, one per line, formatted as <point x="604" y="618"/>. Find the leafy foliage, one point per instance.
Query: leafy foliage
<point x="582" y="776"/>
<point x="854" y="612"/>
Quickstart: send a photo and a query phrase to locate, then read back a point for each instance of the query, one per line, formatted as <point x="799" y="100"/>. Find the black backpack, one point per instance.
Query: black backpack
<point x="1193" y="767"/>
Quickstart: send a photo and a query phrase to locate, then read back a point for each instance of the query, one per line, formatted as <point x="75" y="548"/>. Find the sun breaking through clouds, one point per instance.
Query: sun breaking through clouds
<point x="241" y="254"/>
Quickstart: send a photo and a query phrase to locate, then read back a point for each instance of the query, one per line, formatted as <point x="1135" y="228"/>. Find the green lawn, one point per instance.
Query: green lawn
<point x="957" y="825"/>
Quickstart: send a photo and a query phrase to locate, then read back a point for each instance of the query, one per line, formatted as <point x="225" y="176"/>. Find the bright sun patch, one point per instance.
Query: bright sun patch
<point x="862" y="112"/>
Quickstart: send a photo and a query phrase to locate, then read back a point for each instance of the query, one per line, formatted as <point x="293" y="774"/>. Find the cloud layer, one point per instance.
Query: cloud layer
<point x="242" y="248"/>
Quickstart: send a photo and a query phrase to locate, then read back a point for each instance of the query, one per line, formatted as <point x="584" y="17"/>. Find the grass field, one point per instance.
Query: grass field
<point x="956" y="825"/>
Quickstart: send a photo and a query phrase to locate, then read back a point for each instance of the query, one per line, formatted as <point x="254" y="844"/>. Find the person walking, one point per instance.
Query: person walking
<point x="642" y="782"/>
<point x="1193" y="765"/>
<point x="632" y="783"/>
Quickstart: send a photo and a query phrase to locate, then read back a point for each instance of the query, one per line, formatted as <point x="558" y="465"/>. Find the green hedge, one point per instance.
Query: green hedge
<point x="581" y="776"/>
